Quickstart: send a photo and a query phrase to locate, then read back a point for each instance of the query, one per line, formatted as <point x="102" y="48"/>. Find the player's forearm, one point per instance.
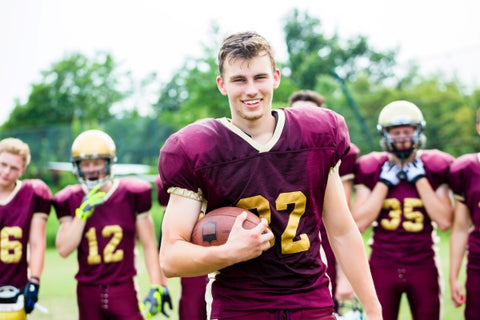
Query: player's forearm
<point x="367" y="207"/>
<point x="437" y="205"/>
<point x="185" y="259"/>
<point x="37" y="244"/>
<point x="352" y="258"/>
<point x="458" y="245"/>
<point x="37" y="258"/>
<point x="69" y="236"/>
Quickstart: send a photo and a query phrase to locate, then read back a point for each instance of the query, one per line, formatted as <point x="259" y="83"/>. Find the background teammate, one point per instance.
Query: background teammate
<point x="464" y="181"/>
<point x="24" y="209"/>
<point x="346" y="171"/>
<point x="403" y="192"/>
<point x="280" y="164"/>
<point x="102" y="218"/>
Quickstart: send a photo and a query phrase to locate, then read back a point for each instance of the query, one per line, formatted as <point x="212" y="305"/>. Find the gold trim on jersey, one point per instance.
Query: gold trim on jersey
<point x="261" y="148"/>
<point x="186" y="193"/>
<point x="14" y="192"/>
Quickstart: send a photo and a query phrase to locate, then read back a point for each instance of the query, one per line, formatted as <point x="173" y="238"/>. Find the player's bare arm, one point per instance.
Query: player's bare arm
<point x="347" y="243"/>
<point x="37" y="244"/>
<point x="146" y="236"/>
<point x="367" y="204"/>
<point x="458" y="245"/>
<point x="180" y="257"/>
<point x="69" y="235"/>
<point x="437" y="203"/>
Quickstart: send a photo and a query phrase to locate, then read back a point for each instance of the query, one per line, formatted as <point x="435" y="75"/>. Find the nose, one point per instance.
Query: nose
<point x="251" y="89"/>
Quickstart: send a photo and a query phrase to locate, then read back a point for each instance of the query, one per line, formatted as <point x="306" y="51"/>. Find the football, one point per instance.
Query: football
<point x="213" y="229"/>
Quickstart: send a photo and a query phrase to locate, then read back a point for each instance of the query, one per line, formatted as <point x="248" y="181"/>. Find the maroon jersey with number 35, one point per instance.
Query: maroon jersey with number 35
<point x="403" y="233"/>
<point x="16" y="213"/>
<point x="106" y="251"/>
<point x="283" y="181"/>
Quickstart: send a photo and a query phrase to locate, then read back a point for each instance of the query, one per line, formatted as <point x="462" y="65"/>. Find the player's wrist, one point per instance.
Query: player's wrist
<point x="34" y="279"/>
<point x="82" y="215"/>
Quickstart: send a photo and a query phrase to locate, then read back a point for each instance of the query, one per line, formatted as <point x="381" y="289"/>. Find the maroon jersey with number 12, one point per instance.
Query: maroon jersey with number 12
<point x="283" y="181"/>
<point x="106" y="251"/>
<point x="16" y="213"/>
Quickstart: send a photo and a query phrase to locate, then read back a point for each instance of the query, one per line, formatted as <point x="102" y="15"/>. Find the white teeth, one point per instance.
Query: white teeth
<point x="252" y="101"/>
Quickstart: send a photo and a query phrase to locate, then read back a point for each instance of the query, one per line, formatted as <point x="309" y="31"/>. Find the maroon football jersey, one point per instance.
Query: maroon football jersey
<point x="16" y="212"/>
<point x="281" y="181"/>
<point x="106" y="251"/>
<point x="464" y="181"/>
<point x="403" y="233"/>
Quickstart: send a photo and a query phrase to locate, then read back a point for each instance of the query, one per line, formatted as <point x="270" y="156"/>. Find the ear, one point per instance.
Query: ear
<point x="221" y="85"/>
<point x="276" y="78"/>
<point x="478" y="127"/>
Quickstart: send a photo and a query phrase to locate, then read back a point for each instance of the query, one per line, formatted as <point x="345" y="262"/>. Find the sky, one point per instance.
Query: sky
<point x="147" y="36"/>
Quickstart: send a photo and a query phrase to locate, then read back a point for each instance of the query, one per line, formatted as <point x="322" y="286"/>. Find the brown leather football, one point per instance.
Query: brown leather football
<point x="213" y="229"/>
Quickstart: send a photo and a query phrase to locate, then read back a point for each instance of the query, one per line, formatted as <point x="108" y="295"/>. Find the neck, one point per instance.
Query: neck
<point x="260" y="130"/>
<point x="5" y="191"/>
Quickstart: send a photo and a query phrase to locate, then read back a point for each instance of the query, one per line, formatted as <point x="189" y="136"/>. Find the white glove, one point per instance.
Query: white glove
<point x="415" y="170"/>
<point x="389" y="174"/>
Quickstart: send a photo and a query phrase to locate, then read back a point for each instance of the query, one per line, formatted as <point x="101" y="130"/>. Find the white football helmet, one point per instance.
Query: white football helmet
<point x="93" y="144"/>
<point x="401" y="113"/>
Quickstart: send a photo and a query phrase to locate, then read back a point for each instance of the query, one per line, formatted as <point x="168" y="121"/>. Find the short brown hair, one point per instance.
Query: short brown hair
<point x="17" y="147"/>
<point x="244" y="45"/>
<point x="307" y="95"/>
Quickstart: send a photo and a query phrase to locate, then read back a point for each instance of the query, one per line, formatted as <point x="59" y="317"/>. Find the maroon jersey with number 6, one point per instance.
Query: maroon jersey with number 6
<point x="16" y="213"/>
<point x="403" y="233"/>
<point x="464" y="182"/>
<point x="283" y="181"/>
<point x="106" y="251"/>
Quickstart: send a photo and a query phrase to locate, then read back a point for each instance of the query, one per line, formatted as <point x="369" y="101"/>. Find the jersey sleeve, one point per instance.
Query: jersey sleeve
<point x="43" y="196"/>
<point x="437" y="166"/>
<point x="456" y="177"/>
<point x="347" y="166"/>
<point x="67" y="200"/>
<point x="162" y="194"/>
<point x="368" y="167"/>
<point x="141" y="191"/>
<point x="175" y="165"/>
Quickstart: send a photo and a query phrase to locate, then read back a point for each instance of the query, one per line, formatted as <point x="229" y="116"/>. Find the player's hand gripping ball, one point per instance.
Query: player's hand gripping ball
<point x="213" y="229"/>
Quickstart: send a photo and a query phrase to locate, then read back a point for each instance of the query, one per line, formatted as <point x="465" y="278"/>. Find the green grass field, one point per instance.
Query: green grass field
<point x="57" y="292"/>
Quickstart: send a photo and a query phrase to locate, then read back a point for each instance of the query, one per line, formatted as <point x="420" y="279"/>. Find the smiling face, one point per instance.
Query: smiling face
<point x="249" y="86"/>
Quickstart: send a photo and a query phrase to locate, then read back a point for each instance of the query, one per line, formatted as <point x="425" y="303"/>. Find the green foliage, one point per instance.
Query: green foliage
<point x="75" y="88"/>
<point x="311" y="53"/>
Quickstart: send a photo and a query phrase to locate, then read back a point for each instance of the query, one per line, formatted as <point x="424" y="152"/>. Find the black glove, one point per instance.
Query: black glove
<point x="415" y="170"/>
<point x="390" y="174"/>
<point x="157" y="297"/>
<point x="30" y="293"/>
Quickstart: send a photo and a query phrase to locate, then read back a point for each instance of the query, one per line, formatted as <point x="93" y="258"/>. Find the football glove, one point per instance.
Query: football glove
<point x="89" y="202"/>
<point x="157" y="297"/>
<point x="415" y="170"/>
<point x="390" y="174"/>
<point x="30" y="293"/>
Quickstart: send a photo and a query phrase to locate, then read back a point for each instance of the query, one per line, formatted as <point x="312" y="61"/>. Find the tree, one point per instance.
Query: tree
<point x="192" y="93"/>
<point x="312" y="54"/>
<point x="75" y="89"/>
